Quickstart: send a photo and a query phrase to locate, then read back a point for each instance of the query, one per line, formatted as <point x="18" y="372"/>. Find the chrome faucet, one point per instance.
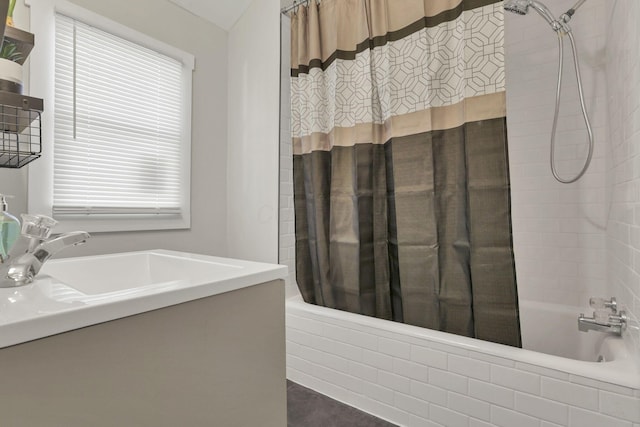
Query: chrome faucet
<point x="606" y="317"/>
<point x="33" y="249"/>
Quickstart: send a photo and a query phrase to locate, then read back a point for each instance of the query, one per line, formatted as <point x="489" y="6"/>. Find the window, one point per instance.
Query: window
<point x="121" y="128"/>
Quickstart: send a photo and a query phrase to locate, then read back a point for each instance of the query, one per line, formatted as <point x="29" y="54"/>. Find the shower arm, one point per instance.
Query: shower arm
<point x="566" y="17"/>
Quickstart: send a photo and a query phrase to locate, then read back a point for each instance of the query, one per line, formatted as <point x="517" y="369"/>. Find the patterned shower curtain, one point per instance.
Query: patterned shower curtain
<point x="401" y="180"/>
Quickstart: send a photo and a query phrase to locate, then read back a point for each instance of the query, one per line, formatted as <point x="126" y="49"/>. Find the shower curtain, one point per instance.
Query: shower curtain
<point x="401" y="183"/>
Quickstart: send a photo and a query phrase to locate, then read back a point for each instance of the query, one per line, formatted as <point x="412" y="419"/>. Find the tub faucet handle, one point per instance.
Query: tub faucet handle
<point x="600" y="303"/>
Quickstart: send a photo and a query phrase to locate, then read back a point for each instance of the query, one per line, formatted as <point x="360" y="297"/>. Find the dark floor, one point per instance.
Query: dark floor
<point x="307" y="408"/>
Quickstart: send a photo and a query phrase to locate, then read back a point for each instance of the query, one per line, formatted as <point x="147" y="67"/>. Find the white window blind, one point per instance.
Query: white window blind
<point x="118" y="125"/>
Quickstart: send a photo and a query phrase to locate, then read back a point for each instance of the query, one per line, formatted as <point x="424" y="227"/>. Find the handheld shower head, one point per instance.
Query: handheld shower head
<point x="521" y="7"/>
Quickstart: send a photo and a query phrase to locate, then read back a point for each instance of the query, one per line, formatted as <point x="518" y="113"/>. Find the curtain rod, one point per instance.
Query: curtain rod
<point x="295" y="4"/>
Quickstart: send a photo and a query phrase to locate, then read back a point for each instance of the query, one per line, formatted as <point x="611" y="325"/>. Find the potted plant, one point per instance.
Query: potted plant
<point x="11" y="59"/>
<point x="12" y="6"/>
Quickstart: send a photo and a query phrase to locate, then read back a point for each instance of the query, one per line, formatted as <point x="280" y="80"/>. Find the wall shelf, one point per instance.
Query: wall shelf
<point x="20" y="121"/>
<point x="23" y="40"/>
<point x="21" y="130"/>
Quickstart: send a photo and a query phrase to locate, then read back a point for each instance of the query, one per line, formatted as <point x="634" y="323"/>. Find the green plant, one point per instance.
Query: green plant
<point x="12" y="6"/>
<point x="10" y="51"/>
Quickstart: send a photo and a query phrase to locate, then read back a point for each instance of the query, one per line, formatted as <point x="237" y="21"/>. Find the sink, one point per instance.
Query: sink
<point x="121" y="272"/>
<point x="73" y="293"/>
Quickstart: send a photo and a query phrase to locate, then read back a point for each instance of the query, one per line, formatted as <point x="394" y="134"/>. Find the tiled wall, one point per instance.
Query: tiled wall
<point x="623" y="166"/>
<point x="414" y="381"/>
<point x="287" y="226"/>
<point x="559" y="230"/>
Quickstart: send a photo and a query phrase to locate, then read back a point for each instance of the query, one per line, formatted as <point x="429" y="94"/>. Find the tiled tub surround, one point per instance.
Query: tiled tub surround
<point x="416" y="377"/>
<point x="623" y="167"/>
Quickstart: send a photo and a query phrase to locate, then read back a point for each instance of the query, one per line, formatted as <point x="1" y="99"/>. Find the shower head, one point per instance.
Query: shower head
<point x="521" y="7"/>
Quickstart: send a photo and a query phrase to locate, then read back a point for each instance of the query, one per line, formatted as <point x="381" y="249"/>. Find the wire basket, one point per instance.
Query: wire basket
<point x="21" y="136"/>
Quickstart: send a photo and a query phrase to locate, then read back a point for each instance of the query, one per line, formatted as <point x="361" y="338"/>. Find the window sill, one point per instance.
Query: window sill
<point x="121" y="223"/>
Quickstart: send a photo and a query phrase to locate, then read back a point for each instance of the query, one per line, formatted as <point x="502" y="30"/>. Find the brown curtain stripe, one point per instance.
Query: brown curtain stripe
<point x="390" y="36"/>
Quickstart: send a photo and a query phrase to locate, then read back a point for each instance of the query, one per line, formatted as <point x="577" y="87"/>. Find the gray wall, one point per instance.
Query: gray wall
<point x="208" y="43"/>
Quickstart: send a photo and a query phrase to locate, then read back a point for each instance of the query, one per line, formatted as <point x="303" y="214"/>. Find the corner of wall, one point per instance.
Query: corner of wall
<point x="253" y="133"/>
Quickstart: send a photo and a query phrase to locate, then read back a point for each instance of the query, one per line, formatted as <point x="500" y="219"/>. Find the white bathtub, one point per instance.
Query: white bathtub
<point x="553" y="329"/>
<point x="415" y="376"/>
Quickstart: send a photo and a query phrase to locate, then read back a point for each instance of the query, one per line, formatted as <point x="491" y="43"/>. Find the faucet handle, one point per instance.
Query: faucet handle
<point x="37" y="226"/>
<point x="600" y="303"/>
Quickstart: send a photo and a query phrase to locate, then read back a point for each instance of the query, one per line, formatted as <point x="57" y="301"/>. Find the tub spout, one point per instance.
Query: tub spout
<point x="615" y="323"/>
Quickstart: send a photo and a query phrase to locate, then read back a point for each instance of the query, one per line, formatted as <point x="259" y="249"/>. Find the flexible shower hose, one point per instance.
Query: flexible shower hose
<point x="557" y="110"/>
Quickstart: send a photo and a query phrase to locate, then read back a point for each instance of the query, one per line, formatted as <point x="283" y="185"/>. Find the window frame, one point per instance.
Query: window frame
<point x="41" y="84"/>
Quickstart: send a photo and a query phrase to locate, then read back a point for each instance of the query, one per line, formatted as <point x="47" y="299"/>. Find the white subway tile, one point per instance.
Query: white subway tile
<point x="429" y="357"/>
<point x="582" y="418"/>
<point x="350" y="336"/>
<point x="491" y="393"/>
<point x="477" y="423"/>
<point x="572" y="394"/>
<point x="298" y="336"/>
<point x="507" y="418"/>
<point x="298" y="363"/>
<point x="544" y="372"/>
<point x="447" y="417"/>
<point x="542" y="408"/>
<point x="412" y="405"/>
<point x="494" y="360"/>
<point x="338" y="378"/>
<point x="303" y="324"/>
<point x="415" y="421"/>
<point x="469" y="406"/>
<point x="626" y="391"/>
<point x="381" y="361"/>
<point x="429" y="393"/>
<point x="469" y="367"/>
<point x="448" y="380"/>
<point x="379" y="393"/>
<point x="624" y="407"/>
<point x="448" y="349"/>
<point x="362" y="371"/>
<point x="411" y="370"/>
<point x="337" y="348"/>
<point x="394" y="348"/>
<point x="336" y="363"/>
<point x="382" y="410"/>
<point x="394" y="382"/>
<point x="516" y="379"/>
<point x="310" y="354"/>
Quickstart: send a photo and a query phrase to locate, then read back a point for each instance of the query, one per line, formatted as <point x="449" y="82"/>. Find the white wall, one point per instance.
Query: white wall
<point x="558" y="229"/>
<point x="287" y="254"/>
<point x="170" y="24"/>
<point x="14" y="181"/>
<point x="623" y="167"/>
<point x="253" y="128"/>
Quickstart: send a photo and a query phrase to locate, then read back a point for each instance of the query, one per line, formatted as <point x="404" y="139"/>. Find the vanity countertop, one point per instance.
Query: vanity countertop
<point x="73" y="293"/>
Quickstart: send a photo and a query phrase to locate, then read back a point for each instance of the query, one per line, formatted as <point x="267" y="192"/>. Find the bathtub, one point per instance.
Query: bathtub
<point x="413" y="376"/>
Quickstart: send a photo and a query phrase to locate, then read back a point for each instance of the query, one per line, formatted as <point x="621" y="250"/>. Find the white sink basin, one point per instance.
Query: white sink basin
<point x="119" y="272"/>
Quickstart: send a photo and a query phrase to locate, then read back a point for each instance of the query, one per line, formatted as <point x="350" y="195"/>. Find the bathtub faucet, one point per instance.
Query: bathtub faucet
<point x="33" y="249"/>
<point x="606" y="317"/>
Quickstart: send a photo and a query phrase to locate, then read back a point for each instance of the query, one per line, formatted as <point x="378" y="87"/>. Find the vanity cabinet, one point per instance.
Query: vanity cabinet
<point x="214" y="361"/>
